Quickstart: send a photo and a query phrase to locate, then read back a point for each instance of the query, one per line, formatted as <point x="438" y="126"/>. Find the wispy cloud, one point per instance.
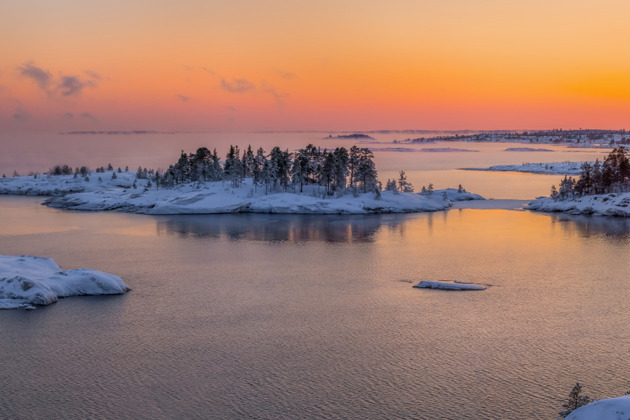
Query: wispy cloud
<point x="71" y="86"/>
<point x="64" y="85"/>
<point x="284" y="74"/>
<point x="93" y="75"/>
<point x="38" y="75"/>
<point x="237" y="85"/>
<point x="183" y="98"/>
<point x="279" y="97"/>
<point x="88" y="116"/>
<point x="209" y="71"/>
<point x="20" y="114"/>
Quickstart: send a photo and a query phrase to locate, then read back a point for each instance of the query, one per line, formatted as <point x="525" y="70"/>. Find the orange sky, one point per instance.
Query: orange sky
<point x="325" y="65"/>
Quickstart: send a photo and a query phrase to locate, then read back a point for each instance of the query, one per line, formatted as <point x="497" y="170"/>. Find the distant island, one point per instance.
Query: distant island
<point x="353" y="136"/>
<point x="574" y="138"/>
<point x="308" y="181"/>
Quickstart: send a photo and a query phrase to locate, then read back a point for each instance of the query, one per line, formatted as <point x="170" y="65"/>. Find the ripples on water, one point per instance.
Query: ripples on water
<point x="273" y="316"/>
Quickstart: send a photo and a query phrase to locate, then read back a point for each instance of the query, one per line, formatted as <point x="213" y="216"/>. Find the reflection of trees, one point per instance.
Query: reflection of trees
<point x="285" y="227"/>
<point x="614" y="227"/>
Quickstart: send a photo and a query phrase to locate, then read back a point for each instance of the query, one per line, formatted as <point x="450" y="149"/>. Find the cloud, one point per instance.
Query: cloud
<point x="230" y="108"/>
<point x="237" y="85"/>
<point x="284" y="74"/>
<point x="279" y="97"/>
<point x="88" y="115"/>
<point x="93" y="75"/>
<point x="71" y="86"/>
<point x="183" y="98"/>
<point x="38" y="75"/>
<point x="21" y="114"/>
<point x="68" y="115"/>
<point x="207" y="70"/>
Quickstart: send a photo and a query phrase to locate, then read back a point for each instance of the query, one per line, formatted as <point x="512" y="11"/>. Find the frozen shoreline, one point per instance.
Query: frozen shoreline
<point x="102" y="193"/>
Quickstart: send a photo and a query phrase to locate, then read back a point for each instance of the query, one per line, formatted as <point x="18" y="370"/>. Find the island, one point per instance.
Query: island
<point x="550" y="168"/>
<point x="26" y="281"/>
<point x="308" y="181"/>
<point x="602" y="189"/>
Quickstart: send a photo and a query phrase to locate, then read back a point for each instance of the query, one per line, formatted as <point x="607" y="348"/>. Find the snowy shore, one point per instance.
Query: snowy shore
<point x="26" y="281"/>
<point x="597" y="205"/>
<point x="555" y="168"/>
<point x="608" y="409"/>
<point x="102" y="193"/>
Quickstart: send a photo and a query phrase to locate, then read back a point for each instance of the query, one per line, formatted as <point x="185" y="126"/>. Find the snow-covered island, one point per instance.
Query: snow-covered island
<point x="602" y="189"/>
<point x="217" y="197"/>
<point x="26" y="281"/>
<point x="596" y="205"/>
<point x="308" y="181"/>
<point x="554" y="168"/>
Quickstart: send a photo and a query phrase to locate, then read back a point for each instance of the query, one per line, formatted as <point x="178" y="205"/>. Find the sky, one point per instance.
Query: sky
<point x="244" y="65"/>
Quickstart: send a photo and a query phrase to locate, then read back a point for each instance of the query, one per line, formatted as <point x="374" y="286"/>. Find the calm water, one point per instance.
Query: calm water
<point x="266" y="316"/>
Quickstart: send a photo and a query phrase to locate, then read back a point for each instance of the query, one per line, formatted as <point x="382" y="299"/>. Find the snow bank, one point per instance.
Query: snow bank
<point x="556" y="168"/>
<point x="608" y="409"/>
<point x="26" y="281"/>
<point x="447" y="286"/>
<point x="598" y="205"/>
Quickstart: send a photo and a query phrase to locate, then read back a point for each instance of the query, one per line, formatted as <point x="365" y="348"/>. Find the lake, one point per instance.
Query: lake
<point x="294" y="316"/>
<point x="280" y="316"/>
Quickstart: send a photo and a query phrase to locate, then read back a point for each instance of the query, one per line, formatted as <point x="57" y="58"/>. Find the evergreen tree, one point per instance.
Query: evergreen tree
<point x="341" y="158"/>
<point x="233" y="167"/>
<point x="576" y="400"/>
<point x="300" y="168"/>
<point x="403" y="184"/>
<point x="249" y="162"/>
<point x="365" y="174"/>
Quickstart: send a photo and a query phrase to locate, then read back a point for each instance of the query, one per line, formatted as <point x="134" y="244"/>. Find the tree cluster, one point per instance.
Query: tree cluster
<point x="610" y="176"/>
<point x="334" y="170"/>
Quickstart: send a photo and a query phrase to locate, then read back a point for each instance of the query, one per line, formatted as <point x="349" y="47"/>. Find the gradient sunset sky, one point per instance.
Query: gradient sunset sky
<point x="313" y="65"/>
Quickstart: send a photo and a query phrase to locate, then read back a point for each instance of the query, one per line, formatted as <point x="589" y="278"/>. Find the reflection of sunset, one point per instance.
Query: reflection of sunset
<point x="214" y="65"/>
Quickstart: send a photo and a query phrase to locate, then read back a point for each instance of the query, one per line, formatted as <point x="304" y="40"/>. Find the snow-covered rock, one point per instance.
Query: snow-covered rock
<point x="424" y="284"/>
<point x="26" y="281"/>
<point x="599" y="205"/>
<point x="608" y="409"/>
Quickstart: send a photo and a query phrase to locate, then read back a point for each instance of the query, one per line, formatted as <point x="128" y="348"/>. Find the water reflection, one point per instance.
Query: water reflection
<point x="587" y="226"/>
<point x="289" y="228"/>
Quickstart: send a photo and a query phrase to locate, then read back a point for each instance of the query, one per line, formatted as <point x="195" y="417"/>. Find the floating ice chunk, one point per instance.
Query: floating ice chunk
<point x="424" y="284"/>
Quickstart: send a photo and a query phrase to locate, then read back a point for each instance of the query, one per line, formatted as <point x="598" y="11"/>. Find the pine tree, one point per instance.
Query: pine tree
<point x="403" y="184"/>
<point x="365" y="171"/>
<point x="576" y="400"/>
